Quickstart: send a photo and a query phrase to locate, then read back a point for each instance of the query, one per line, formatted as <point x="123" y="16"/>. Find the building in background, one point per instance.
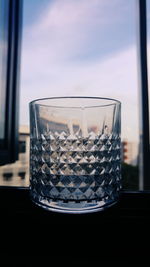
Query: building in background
<point x="130" y="152"/>
<point x="17" y="174"/>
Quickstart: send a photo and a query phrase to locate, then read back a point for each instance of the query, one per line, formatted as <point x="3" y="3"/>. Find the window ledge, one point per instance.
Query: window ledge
<point x="118" y="234"/>
<point x="15" y="199"/>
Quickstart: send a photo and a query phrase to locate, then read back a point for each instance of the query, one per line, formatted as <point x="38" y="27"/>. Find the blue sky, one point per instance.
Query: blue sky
<point x="105" y="34"/>
<point x="81" y="47"/>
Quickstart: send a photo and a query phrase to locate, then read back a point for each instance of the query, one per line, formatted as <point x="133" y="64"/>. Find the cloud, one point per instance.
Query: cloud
<point x="61" y="56"/>
<point x="72" y="30"/>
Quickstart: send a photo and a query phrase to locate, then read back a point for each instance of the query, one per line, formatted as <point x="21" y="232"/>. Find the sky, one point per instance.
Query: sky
<point x="84" y="48"/>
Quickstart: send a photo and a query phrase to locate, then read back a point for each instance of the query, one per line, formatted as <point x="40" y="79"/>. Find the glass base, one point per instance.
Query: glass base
<point x="72" y="206"/>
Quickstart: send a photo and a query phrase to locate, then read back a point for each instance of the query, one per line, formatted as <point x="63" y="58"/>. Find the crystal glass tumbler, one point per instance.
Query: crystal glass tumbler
<point x="75" y="153"/>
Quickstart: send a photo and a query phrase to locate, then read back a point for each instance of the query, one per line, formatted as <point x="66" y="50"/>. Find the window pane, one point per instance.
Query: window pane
<point x="3" y="62"/>
<point x="84" y="48"/>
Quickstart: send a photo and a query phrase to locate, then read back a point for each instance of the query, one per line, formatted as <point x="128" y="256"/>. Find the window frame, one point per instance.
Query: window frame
<point x="144" y="146"/>
<point x="9" y="151"/>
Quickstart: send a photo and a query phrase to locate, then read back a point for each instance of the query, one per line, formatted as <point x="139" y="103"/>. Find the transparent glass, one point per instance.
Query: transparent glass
<point x="75" y="161"/>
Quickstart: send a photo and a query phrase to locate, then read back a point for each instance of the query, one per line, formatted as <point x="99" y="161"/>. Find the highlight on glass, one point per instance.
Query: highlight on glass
<point x="75" y="153"/>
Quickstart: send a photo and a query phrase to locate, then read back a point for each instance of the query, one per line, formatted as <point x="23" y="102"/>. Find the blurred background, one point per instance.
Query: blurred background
<point x="80" y="48"/>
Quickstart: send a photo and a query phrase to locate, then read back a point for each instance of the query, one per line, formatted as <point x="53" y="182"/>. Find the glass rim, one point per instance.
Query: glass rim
<point x="114" y="102"/>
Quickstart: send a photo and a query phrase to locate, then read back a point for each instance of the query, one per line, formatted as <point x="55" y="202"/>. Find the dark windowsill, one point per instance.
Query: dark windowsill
<point x="16" y="200"/>
<point x="118" y="234"/>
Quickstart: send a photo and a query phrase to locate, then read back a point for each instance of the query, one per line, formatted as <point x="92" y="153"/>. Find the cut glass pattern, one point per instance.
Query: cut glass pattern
<point x="72" y="168"/>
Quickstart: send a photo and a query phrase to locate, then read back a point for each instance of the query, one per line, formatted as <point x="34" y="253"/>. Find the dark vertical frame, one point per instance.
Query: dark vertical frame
<point x="144" y="154"/>
<point x="9" y="151"/>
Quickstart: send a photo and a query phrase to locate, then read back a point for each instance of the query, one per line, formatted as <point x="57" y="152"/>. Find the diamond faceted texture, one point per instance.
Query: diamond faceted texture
<point x="72" y="168"/>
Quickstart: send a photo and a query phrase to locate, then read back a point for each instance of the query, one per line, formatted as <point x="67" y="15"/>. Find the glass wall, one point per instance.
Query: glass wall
<point x="83" y="48"/>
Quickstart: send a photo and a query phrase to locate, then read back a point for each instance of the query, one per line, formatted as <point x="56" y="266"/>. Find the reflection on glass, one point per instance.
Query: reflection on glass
<point x="75" y="153"/>
<point x="3" y="62"/>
